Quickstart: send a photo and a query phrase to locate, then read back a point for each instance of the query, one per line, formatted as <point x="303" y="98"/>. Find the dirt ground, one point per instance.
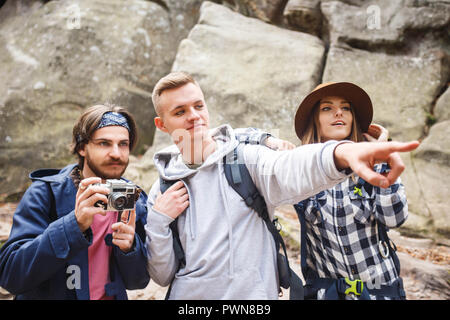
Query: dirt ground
<point x="425" y="264"/>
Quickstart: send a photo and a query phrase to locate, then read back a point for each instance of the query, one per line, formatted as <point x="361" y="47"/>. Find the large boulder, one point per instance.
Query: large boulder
<point x="385" y="22"/>
<point x="442" y="107"/>
<point x="252" y="73"/>
<point x="398" y="51"/>
<point x="432" y="167"/>
<point x="403" y="90"/>
<point x="400" y="87"/>
<point x="265" y="10"/>
<point x="60" y="57"/>
<point x="304" y="15"/>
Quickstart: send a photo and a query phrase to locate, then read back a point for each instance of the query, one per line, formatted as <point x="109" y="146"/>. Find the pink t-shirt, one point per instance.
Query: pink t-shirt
<point x="99" y="254"/>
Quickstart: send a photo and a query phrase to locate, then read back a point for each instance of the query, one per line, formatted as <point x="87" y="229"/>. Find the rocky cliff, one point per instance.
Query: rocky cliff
<point x="255" y="60"/>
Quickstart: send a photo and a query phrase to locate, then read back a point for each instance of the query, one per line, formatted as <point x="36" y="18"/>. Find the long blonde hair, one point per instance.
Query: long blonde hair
<point x="312" y="132"/>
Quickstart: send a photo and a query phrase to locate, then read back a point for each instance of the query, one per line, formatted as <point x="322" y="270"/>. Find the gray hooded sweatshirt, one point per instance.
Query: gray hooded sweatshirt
<point x="230" y="254"/>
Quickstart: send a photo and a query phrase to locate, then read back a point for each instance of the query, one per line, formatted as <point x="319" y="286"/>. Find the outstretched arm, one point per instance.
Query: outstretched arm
<point x="290" y="176"/>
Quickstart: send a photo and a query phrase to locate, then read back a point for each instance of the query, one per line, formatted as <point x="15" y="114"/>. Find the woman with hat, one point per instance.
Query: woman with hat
<point x="345" y="250"/>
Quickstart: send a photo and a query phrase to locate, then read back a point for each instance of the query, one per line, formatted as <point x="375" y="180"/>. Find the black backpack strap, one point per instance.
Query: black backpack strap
<point x="386" y="241"/>
<point x="300" y="209"/>
<point x="240" y="180"/>
<point x="177" y="248"/>
<point x="382" y="230"/>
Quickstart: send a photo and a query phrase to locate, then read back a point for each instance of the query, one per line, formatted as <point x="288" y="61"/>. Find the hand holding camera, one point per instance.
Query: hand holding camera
<point x="85" y="200"/>
<point x="93" y="198"/>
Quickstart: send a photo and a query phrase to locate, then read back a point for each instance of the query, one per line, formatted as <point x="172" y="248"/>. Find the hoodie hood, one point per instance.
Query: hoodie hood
<point x="51" y="175"/>
<point x="171" y="166"/>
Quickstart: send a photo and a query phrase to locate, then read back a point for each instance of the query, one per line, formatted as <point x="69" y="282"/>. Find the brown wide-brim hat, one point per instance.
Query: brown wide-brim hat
<point x="358" y="98"/>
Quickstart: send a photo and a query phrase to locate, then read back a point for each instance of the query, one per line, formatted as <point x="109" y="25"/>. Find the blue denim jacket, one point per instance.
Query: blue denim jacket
<point x="39" y="257"/>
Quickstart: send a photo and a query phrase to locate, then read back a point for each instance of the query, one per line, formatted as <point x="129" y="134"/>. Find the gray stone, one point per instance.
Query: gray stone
<point x="58" y="59"/>
<point x="432" y="167"/>
<point x="385" y="22"/>
<point x="245" y="68"/>
<point x="400" y="87"/>
<point x="264" y="10"/>
<point x="304" y="15"/>
<point x="442" y="107"/>
<point x="436" y="146"/>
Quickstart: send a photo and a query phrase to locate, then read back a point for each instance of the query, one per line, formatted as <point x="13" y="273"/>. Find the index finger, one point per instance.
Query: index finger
<point x="85" y="183"/>
<point x="396" y="146"/>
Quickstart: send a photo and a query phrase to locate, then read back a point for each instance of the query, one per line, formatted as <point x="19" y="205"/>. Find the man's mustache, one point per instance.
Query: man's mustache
<point x="110" y="163"/>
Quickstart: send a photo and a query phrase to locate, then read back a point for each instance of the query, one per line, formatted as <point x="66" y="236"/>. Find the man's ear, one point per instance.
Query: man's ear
<point x="81" y="151"/>
<point x="159" y="123"/>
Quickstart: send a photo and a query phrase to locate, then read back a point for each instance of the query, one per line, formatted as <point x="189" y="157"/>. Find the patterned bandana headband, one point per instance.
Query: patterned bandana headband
<point x="113" y="119"/>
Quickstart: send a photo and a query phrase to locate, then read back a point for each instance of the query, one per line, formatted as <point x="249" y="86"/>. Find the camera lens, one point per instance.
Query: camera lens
<point x="118" y="201"/>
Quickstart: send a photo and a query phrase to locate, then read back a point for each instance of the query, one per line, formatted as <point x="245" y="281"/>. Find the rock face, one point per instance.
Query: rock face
<point x="58" y="59"/>
<point x="255" y="60"/>
<point x="442" y="109"/>
<point x="398" y="51"/>
<point x="246" y="71"/>
<point x="382" y="22"/>
<point x="245" y="68"/>
<point x="400" y="87"/>
<point x="304" y="15"/>
<point x="432" y="167"/>
<point x="62" y="59"/>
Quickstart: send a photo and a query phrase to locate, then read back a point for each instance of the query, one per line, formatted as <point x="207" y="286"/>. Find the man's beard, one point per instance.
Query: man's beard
<point x="102" y="173"/>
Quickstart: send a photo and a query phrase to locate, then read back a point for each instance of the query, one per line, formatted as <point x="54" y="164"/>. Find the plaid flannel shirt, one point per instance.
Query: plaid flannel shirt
<point x="341" y="231"/>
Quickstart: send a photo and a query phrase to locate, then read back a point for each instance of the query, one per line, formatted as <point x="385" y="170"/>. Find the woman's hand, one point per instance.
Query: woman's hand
<point x="278" y="144"/>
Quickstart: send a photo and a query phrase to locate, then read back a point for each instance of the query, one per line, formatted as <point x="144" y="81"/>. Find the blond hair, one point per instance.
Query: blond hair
<point x="312" y="132"/>
<point x="171" y="81"/>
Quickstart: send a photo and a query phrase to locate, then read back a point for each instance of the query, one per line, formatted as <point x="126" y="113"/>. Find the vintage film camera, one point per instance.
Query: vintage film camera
<point x="122" y="195"/>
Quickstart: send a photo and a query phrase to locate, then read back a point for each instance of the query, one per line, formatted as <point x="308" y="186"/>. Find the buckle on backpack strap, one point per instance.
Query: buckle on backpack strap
<point x="356" y="286"/>
<point x="384" y="249"/>
<point x="277" y="224"/>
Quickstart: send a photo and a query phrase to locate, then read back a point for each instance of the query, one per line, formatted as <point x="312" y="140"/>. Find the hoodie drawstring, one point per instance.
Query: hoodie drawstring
<point x="192" y="217"/>
<point x="227" y="212"/>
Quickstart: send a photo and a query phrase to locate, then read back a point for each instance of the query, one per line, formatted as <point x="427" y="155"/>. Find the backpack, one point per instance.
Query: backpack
<point x="240" y="180"/>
